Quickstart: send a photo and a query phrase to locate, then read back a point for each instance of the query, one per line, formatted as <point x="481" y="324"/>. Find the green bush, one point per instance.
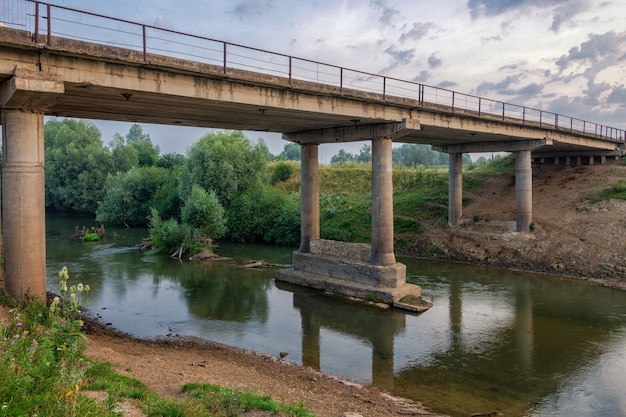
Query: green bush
<point x="282" y="172"/>
<point x="91" y="237"/>
<point x="204" y="214"/>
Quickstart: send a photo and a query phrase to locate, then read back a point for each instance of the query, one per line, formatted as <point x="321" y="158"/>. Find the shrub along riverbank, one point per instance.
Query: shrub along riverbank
<point x="44" y="371"/>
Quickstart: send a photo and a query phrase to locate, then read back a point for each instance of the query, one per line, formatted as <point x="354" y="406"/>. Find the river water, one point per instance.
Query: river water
<point x="524" y="344"/>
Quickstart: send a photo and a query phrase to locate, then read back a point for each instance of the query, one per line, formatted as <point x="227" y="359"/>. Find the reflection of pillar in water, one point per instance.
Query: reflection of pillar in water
<point x="310" y="341"/>
<point x="382" y="358"/>
<point x="524" y="325"/>
<point x="456" y="313"/>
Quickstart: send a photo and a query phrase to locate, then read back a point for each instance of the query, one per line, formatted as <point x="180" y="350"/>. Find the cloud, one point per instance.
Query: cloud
<point x="249" y="8"/>
<point x="618" y="96"/>
<point x="417" y="31"/>
<point x="598" y="51"/>
<point x="434" y="61"/>
<point x="422" y="77"/>
<point x="402" y="57"/>
<point x="564" y="10"/>
<point x="388" y="14"/>
<point x="502" y="87"/>
<point x="447" y="84"/>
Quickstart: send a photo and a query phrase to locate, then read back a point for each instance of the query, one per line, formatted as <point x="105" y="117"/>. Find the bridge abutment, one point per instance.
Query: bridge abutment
<point x="24" y="99"/>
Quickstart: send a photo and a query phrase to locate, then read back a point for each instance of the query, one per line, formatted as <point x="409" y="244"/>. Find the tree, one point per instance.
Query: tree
<point x="226" y="163"/>
<point x="291" y="152"/>
<point x="130" y="195"/>
<point x="124" y="156"/>
<point x="204" y="213"/>
<point x="77" y="165"/>
<point x="147" y="153"/>
<point x="365" y="154"/>
<point x="341" y="157"/>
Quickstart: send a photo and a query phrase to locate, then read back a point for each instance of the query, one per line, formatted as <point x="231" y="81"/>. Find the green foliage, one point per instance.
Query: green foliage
<point x="77" y="165"/>
<point x="342" y="157"/>
<point x="346" y="217"/>
<point x="282" y="172"/>
<point x="433" y="250"/>
<point x="204" y="214"/>
<point x="125" y="156"/>
<point x="225" y="163"/>
<point x="169" y="235"/>
<point x="291" y="152"/>
<point x="42" y="363"/>
<point x="129" y="195"/>
<point x="171" y="161"/>
<point x="91" y="237"/>
<point x="616" y="191"/>
<point x="406" y="225"/>
<point x="264" y="214"/>
<point x="220" y="401"/>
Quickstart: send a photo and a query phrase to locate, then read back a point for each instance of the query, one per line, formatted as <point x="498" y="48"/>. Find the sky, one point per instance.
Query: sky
<point x="562" y="56"/>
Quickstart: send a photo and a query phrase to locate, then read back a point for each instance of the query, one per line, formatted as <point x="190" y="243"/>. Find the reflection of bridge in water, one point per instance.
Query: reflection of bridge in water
<point x="168" y="77"/>
<point x="508" y="361"/>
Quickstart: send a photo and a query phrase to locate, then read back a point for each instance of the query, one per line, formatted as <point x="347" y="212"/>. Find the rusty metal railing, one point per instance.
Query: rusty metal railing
<point x="45" y="20"/>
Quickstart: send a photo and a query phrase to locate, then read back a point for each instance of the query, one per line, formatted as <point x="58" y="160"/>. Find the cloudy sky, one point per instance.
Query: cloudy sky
<point x="563" y="56"/>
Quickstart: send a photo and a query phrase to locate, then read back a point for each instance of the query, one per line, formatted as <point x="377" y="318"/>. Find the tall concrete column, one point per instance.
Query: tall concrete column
<point x="455" y="188"/>
<point x="23" y="98"/>
<point x="382" y="203"/>
<point x="23" y="204"/>
<point x="309" y="196"/>
<point x="523" y="191"/>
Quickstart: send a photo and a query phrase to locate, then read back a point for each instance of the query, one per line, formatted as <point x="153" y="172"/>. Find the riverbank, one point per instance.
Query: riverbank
<point x="165" y="364"/>
<point x="575" y="234"/>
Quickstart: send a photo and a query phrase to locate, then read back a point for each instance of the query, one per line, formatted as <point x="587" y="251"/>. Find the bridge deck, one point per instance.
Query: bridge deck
<point x="110" y="83"/>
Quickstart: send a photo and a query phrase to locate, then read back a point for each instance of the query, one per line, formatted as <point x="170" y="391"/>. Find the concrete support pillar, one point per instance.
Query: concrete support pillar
<point x="382" y="203"/>
<point x="579" y="161"/>
<point x="24" y="98"/>
<point x="23" y="204"/>
<point x="309" y="196"/>
<point x="523" y="191"/>
<point x="455" y="189"/>
<point x="602" y="159"/>
<point x="591" y="159"/>
<point x="567" y="161"/>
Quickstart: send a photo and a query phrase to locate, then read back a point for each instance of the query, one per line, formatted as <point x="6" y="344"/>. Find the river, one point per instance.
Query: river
<point x="523" y="344"/>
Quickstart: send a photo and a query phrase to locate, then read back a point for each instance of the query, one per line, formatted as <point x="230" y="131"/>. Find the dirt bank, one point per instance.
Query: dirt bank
<point x="573" y="235"/>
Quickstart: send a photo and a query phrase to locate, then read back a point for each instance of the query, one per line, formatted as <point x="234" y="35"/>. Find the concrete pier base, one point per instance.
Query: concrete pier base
<point x="344" y="269"/>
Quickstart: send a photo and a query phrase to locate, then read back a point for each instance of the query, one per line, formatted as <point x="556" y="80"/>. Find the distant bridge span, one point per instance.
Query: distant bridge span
<point x="139" y="73"/>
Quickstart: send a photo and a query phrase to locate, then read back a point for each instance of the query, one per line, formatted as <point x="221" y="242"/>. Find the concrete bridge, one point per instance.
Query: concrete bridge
<point x="140" y="73"/>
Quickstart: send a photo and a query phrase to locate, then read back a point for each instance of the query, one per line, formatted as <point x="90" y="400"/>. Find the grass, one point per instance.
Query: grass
<point x="616" y="191"/>
<point x="43" y="371"/>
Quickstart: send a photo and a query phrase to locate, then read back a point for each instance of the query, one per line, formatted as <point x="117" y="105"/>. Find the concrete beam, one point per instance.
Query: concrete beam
<point x="356" y="133"/>
<point x="30" y="90"/>
<point x="503" y="146"/>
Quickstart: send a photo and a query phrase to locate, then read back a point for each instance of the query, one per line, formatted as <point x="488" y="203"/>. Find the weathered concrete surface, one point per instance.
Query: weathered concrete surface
<point x="24" y="98"/>
<point x="344" y="268"/>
